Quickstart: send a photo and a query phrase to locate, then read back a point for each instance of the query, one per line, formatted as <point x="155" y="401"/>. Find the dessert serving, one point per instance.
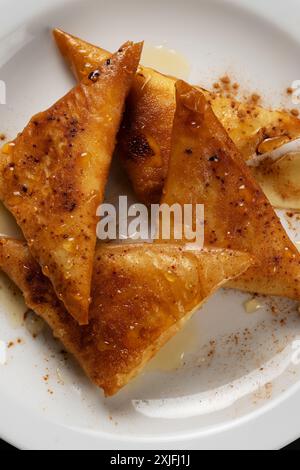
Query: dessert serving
<point x="114" y="305"/>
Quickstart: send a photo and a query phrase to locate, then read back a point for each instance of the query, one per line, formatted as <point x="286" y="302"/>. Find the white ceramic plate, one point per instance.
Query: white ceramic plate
<point x="237" y="387"/>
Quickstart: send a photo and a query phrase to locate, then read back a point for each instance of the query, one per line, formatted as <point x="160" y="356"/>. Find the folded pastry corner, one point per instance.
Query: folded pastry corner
<point x="141" y="297"/>
<point x="206" y="168"/>
<point x="81" y="56"/>
<point x="53" y="176"/>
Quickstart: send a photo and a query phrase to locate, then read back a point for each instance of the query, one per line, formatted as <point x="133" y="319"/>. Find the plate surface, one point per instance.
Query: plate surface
<point x="228" y="381"/>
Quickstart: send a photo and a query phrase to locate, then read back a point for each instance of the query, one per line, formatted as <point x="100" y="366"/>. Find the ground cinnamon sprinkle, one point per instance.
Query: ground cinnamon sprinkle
<point x="289" y="91"/>
<point x="11" y="344"/>
<point x="226" y="87"/>
<point x="295" y="112"/>
<point x="255" y="98"/>
<point x="226" y="80"/>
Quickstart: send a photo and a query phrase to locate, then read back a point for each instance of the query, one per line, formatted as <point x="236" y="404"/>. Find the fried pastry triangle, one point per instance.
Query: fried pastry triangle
<point x="141" y="297"/>
<point x="206" y="168"/>
<point x="53" y="176"/>
<point x="145" y="139"/>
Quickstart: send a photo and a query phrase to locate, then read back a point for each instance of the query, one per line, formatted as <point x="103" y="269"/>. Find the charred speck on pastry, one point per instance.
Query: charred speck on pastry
<point x="93" y="76"/>
<point x="138" y="148"/>
<point x="214" y="158"/>
<point x="68" y="202"/>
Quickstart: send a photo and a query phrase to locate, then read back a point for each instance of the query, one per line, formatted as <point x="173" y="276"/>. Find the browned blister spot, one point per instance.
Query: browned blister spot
<point x="138" y="148"/>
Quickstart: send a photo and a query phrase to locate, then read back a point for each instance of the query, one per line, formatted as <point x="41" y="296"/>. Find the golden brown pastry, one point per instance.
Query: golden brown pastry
<point x="145" y="139"/>
<point x="53" y="176"/>
<point x="206" y="168"/>
<point x="141" y="297"/>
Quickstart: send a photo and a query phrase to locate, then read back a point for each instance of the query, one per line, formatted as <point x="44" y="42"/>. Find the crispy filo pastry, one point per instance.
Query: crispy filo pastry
<point x="145" y="138"/>
<point x="141" y="297"/>
<point x="207" y="168"/>
<point x="53" y="176"/>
